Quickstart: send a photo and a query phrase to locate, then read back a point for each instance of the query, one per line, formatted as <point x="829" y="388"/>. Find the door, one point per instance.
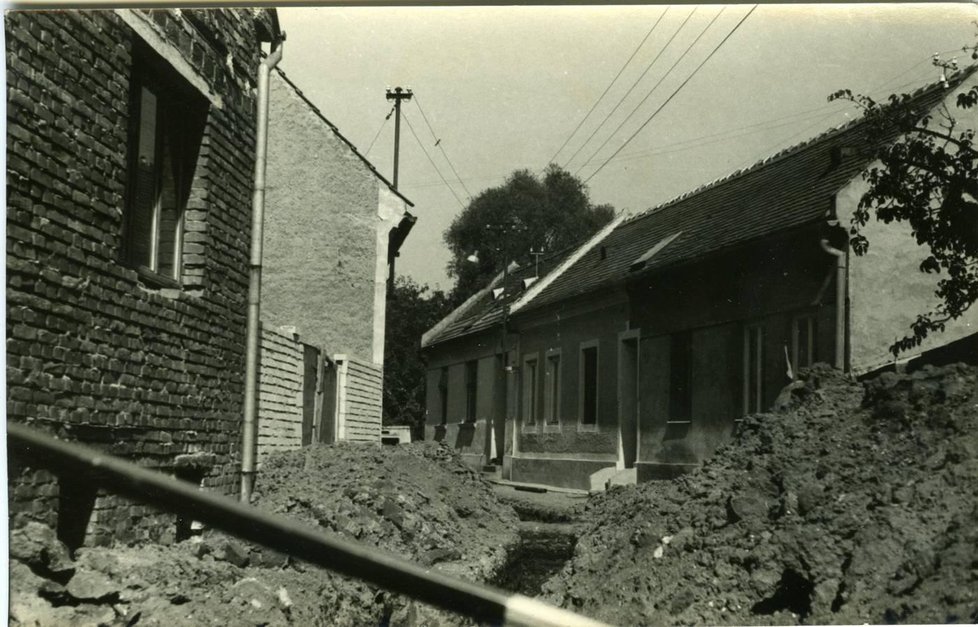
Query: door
<point x="310" y="383"/>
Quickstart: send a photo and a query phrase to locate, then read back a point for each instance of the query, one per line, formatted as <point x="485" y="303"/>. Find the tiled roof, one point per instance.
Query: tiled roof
<point x="484" y="310"/>
<point x="789" y="189"/>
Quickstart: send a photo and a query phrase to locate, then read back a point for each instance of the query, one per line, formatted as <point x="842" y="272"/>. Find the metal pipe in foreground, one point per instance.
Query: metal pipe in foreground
<point x="481" y="602"/>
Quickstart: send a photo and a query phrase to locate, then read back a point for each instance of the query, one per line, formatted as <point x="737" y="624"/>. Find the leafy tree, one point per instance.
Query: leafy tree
<point x="927" y="178"/>
<point x="502" y="224"/>
<point x="412" y="309"/>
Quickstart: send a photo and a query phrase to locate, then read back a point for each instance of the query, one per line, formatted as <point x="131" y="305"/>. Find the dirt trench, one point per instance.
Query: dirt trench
<point x="548" y="528"/>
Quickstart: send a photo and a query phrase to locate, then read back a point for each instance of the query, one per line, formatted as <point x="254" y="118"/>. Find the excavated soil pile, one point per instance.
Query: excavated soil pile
<point x="418" y="501"/>
<point x="851" y="503"/>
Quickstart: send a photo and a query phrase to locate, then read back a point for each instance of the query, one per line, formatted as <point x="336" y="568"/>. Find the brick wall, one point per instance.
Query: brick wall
<point x="360" y="394"/>
<point x="280" y="393"/>
<point x="93" y="352"/>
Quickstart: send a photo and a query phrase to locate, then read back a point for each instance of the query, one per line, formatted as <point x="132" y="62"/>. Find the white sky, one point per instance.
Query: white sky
<point x="503" y="87"/>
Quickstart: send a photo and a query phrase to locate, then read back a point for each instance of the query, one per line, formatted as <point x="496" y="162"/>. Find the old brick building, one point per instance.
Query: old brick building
<point x="130" y="153"/>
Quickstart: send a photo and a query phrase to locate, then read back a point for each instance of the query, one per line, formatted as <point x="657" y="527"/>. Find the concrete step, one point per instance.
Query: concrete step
<point x="628" y="476"/>
<point x="492" y="471"/>
<point x="599" y="479"/>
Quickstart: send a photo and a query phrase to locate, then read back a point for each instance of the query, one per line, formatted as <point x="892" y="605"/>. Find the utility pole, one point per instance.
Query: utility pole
<point x="397" y="95"/>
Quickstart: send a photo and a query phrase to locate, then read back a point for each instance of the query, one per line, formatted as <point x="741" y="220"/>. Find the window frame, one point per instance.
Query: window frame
<point x="180" y="113"/>
<point x="553" y="389"/>
<point x="582" y="384"/>
<point x="681" y="409"/>
<point x="529" y="393"/>
<point x="753" y="397"/>
<point x="812" y="324"/>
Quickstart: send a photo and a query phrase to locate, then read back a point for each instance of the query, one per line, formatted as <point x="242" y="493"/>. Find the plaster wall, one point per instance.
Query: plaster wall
<point x="454" y="355"/>
<point x="765" y="287"/>
<point x="887" y="290"/>
<point x="573" y="472"/>
<point x="775" y="275"/>
<point x="564" y="329"/>
<point x="323" y="221"/>
<point x="433" y="412"/>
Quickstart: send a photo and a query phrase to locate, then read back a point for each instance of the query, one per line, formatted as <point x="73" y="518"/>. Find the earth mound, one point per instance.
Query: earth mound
<point x="418" y="501"/>
<point x="851" y="503"/>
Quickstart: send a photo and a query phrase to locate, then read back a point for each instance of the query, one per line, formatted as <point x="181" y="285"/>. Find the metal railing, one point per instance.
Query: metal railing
<point x="478" y="601"/>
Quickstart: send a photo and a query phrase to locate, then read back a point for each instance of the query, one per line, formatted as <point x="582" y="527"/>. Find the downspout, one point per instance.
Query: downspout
<point x="840" y="303"/>
<point x="249" y="430"/>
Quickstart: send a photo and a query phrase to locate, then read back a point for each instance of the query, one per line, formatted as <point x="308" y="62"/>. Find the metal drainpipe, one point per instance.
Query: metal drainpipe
<point x="249" y="430"/>
<point x="840" y="303"/>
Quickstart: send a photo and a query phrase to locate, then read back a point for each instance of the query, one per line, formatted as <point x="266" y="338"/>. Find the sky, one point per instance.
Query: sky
<point x="503" y="88"/>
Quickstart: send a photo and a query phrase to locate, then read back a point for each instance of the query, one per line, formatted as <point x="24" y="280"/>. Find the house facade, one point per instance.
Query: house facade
<point x="333" y="226"/>
<point x="668" y="328"/>
<point x="130" y="156"/>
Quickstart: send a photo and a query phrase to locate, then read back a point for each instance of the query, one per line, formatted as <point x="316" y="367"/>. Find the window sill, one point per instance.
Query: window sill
<point x="153" y="280"/>
<point x="583" y="428"/>
<point x="679" y="422"/>
<point x="551" y="428"/>
<point x="531" y="428"/>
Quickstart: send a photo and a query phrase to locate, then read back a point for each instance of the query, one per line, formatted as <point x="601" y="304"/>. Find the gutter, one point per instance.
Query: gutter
<point x="249" y="429"/>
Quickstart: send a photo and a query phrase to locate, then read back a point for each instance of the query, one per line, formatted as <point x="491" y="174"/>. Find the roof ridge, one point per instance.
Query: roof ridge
<point x="336" y="131"/>
<point x="956" y="78"/>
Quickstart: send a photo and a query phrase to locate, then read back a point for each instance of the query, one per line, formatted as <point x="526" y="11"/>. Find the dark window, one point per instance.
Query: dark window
<point x="753" y="370"/>
<point x="443" y="395"/>
<point x="589" y="385"/>
<point x="471" y="389"/>
<point x="530" y="392"/>
<point x="680" y="378"/>
<point x="167" y="118"/>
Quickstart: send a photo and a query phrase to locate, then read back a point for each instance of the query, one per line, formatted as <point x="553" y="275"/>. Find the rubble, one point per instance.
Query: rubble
<point x="418" y="501"/>
<point x="852" y="504"/>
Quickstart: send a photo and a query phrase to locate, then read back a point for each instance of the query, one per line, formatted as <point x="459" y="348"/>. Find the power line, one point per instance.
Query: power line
<point x="678" y="89"/>
<point x="879" y="90"/>
<point x="816" y="113"/>
<point x="630" y="89"/>
<point x="805" y="116"/>
<point x="440" y="147"/>
<point x="606" y="89"/>
<point x="432" y="162"/>
<point x="654" y="87"/>
<point x="382" y="125"/>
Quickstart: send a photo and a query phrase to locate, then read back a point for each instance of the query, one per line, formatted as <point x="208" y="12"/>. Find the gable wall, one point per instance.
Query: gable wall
<point x="887" y="290"/>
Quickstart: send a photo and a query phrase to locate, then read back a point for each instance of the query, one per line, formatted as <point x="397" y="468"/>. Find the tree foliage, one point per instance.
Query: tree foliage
<point x="502" y="224"/>
<point x="927" y="178"/>
<point x="412" y="309"/>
